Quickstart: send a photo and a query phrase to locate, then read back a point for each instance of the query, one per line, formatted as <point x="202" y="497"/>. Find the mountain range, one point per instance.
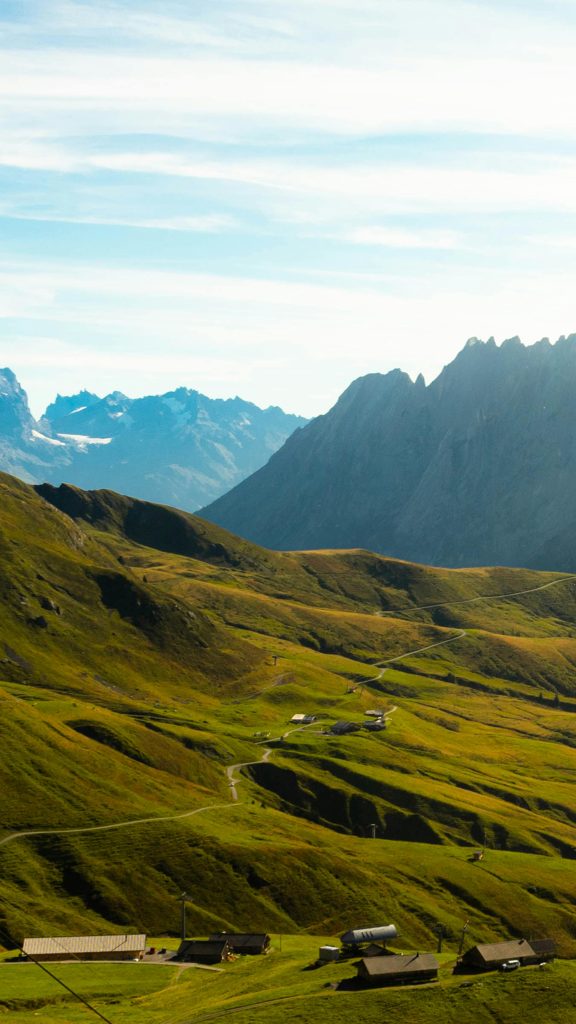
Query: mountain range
<point x="477" y="468"/>
<point x="181" y="447"/>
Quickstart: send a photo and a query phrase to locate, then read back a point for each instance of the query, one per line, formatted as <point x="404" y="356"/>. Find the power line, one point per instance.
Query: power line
<point x="58" y="980"/>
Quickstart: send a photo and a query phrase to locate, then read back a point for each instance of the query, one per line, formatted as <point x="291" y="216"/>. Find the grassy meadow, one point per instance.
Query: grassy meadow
<point x="144" y="651"/>
<point x="284" y="986"/>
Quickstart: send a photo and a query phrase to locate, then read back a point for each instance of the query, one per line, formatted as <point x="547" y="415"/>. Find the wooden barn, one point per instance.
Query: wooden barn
<point x="398" y="969"/>
<point x="490" y="956"/>
<point x="204" y="951"/>
<point x="342" y="728"/>
<point x="249" y="944"/>
<point x="86" y="947"/>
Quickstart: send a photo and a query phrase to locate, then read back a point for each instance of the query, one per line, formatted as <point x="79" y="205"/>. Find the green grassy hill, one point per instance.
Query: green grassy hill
<point x="143" y="651"/>
<point x="282" y="987"/>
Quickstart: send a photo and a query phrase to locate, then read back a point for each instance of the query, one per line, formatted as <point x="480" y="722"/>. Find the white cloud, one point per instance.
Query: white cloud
<point x="349" y="122"/>
<point x="396" y="238"/>
<point x="406" y="92"/>
<point x="152" y="330"/>
<point x="536" y="183"/>
<point x="209" y="223"/>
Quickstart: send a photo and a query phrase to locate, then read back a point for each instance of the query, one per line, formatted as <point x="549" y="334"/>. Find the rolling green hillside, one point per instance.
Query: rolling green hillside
<point x="283" y="988"/>
<point x="144" y="651"/>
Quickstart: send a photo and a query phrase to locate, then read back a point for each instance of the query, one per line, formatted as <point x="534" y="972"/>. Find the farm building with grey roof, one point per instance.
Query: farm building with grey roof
<point x="491" y="955"/>
<point x="398" y="969"/>
<point x="85" y="947"/>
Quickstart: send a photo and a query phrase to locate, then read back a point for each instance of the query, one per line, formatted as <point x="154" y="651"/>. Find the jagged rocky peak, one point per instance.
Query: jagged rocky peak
<point x="116" y="398"/>
<point x="87" y="414"/>
<point x="65" y="405"/>
<point x="477" y="468"/>
<point x="15" y="416"/>
<point x="8" y="379"/>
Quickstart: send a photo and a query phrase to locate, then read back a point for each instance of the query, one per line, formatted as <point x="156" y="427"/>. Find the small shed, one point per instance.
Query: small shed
<point x="247" y="944"/>
<point x="301" y="719"/>
<point x="85" y="947"/>
<point x="378" y="726"/>
<point x="490" y="956"/>
<point x="204" y="951"/>
<point x="374" y="714"/>
<point x="398" y="969"/>
<point x="328" y="954"/>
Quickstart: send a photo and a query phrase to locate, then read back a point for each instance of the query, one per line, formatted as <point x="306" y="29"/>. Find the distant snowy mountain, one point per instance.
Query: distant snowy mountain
<point x="180" y="448"/>
<point x="63" y="405"/>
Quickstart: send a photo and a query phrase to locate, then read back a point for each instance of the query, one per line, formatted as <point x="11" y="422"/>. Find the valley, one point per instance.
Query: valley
<point x="145" y="653"/>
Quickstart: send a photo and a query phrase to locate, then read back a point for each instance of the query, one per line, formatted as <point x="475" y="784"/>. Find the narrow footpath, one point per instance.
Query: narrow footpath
<point x="232" y="769"/>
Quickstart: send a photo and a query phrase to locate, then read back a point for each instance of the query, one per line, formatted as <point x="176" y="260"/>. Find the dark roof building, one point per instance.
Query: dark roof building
<point x="489" y="956"/>
<point x="545" y="949"/>
<point x="374" y="950"/>
<point x="86" y="947"/>
<point x="398" y="970"/>
<point x="203" y="951"/>
<point x="340" y="728"/>
<point x="250" y="944"/>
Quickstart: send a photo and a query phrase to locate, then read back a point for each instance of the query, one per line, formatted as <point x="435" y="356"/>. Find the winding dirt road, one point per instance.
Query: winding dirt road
<point x="232" y="769"/>
<point x="244" y="764"/>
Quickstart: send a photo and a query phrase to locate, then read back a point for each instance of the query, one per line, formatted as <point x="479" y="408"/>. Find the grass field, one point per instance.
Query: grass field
<point x="283" y="986"/>
<point x="143" y="652"/>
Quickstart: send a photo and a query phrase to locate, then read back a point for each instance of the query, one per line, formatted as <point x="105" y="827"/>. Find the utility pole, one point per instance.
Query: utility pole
<point x="439" y="928"/>
<point x="373" y="830"/>
<point x="463" y="933"/>
<point x="183" y="898"/>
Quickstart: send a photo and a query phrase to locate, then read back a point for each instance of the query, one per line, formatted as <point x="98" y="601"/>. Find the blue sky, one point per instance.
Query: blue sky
<point x="271" y="198"/>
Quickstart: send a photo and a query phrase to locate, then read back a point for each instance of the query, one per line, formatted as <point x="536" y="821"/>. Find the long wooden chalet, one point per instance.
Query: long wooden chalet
<point x="491" y="955"/>
<point x="85" y="947"/>
<point x="398" y="969"/>
<point x="247" y="944"/>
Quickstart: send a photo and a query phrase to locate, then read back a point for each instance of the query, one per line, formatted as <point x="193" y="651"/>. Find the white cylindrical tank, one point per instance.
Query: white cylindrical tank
<point x="381" y="933"/>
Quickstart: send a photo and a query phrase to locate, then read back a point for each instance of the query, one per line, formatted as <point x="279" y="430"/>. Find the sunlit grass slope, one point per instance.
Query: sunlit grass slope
<point x="283" y="988"/>
<point x="143" y="651"/>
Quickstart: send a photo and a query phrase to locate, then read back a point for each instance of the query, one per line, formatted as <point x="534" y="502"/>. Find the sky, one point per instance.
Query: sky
<point x="270" y="198"/>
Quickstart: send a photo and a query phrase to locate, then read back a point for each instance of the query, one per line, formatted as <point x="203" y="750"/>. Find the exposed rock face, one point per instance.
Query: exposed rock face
<point x="477" y="468"/>
<point x="20" y="453"/>
<point x="63" y="405"/>
<point x="180" y="448"/>
<point x="16" y="420"/>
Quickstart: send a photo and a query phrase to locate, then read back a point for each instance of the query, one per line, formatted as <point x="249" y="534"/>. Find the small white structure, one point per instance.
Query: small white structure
<point x="302" y="719"/>
<point x="328" y="953"/>
<point x="374" y="714"/>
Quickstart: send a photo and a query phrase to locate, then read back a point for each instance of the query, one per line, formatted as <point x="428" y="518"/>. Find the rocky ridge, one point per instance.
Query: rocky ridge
<point x="477" y="468"/>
